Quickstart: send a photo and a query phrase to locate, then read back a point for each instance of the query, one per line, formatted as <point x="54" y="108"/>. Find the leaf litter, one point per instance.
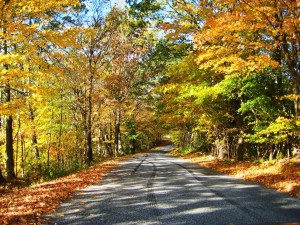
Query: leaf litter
<point x="26" y="205"/>
<point x="280" y="175"/>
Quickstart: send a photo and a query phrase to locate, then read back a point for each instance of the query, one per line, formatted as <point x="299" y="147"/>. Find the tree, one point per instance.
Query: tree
<point x="128" y="84"/>
<point x="20" y="26"/>
<point x="253" y="37"/>
<point x="242" y="82"/>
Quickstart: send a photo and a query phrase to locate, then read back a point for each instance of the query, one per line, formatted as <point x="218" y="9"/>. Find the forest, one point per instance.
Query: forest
<point x="83" y="80"/>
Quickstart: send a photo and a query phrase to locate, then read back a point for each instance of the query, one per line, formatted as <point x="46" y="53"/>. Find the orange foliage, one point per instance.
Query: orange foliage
<point x="25" y="206"/>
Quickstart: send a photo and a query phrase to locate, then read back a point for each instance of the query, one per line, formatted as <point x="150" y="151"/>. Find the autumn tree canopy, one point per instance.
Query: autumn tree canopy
<point x="83" y="80"/>
<point x="243" y="88"/>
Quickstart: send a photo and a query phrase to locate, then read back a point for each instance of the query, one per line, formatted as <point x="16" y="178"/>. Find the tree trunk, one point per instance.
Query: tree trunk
<point x="271" y="154"/>
<point x="59" y="146"/>
<point x="100" y="152"/>
<point x="107" y="146"/>
<point x="9" y="139"/>
<point x="133" y="146"/>
<point x="9" y="149"/>
<point x="240" y="149"/>
<point x="296" y="90"/>
<point x="89" y="145"/>
<point x="90" y="109"/>
<point x="117" y="131"/>
<point x="2" y="179"/>
<point x="50" y="141"/>
<point x="258" y="151"/>
<point x="34" y="141"/>
<point x="17" y="147"/>
<point x="110" y="136"/>
<point x="2" y="141"/>
<point x="131" y="127"/>
<point x="9" y="125"/>
<point x="22" y="154"/>
<point x="89" y="134"/>
<point x="220" y="149"/>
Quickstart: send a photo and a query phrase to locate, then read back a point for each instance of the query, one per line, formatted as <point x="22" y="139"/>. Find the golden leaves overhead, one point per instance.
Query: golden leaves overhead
<point x="248" y="32"/>
<point x="21" y="40"/>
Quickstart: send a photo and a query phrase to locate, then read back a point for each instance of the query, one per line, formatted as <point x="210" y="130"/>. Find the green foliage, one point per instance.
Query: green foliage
<point x="185" y="151"/>
<point x="143" y="11"/>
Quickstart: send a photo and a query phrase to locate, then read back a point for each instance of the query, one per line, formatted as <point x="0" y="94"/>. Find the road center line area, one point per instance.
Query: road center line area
<point x="156" y="188"/>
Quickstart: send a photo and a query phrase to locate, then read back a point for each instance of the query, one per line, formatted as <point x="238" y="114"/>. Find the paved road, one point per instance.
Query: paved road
<point x="156" y="188"/>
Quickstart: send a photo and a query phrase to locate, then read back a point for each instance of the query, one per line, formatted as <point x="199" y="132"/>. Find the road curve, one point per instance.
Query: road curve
<point x="156" y="188"/>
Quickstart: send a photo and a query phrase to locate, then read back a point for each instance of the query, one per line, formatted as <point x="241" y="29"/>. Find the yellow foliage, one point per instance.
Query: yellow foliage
<point x="232" y="39"/>
<point x="10" y="108"/>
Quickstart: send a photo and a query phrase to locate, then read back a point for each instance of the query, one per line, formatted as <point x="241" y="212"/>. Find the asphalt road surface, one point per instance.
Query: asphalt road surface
<point x="155" y="188"/>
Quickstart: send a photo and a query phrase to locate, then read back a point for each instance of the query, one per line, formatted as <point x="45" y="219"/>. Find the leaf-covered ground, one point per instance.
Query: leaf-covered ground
<point x="282" y="175"/>
<point x="26" y="205"/>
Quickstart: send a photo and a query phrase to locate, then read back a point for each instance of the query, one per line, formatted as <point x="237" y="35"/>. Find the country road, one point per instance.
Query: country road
<point x="156" y="188"/>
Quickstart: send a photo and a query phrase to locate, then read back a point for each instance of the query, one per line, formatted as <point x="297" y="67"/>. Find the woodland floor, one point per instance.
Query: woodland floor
<point x="26" y="205"/>
<point x="282" y="175"/>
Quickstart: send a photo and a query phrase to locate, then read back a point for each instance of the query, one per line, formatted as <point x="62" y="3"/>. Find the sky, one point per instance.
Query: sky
<point x="119" y="3"/>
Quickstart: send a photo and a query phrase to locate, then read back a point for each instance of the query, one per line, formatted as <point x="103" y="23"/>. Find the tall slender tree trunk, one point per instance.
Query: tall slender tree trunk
<point x="9" y="149"/>
<point x="131" y="126"/>
<point x="50" y="141"/>
<point x="22" y="154"/>
<point x="89" y="135"/>
<point x="89" y="113"/>
<point x="59" y="147"/>
<point x="77" y="151"/>
<point x="296" y="90"/>
<point x="100" y="152"/>
<point x="110" y="135"/>
<point x="258" y="151"/>
<point x="2" y="142"/>
<point x="9" y="139"/>
<point x="240" y="148"/>
<point x="271" y="153"/>
<point x="34" y="141"/>
<point x="106" y="141"/>
<point x="17" y="147"/>
<point x="117" y="131"/>
<point x="9" y="125"/>
<point x="89" y="126"/>
<point x="2" y="179"/>
<point x="89" y="145"/>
